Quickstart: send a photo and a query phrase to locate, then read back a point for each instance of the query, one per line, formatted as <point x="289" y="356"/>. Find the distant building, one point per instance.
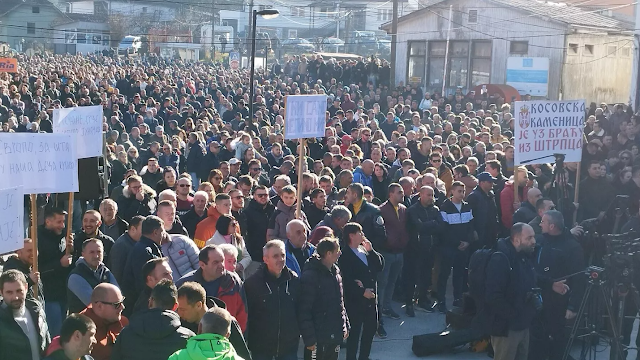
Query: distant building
<point x="551" y="50"/>
<point x="27" y="24"/>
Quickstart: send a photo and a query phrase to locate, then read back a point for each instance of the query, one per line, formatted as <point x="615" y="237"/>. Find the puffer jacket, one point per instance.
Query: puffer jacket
<point x="129" y="206"/>
<point x="152" y="334"/>
<point x="273" y="324"/>
<point x="14" y="344"/>
<point x="207" y="346"/>
<point x="277" y="228"/>
<point x="321" y="313"/>
<point x="182" y="254"/>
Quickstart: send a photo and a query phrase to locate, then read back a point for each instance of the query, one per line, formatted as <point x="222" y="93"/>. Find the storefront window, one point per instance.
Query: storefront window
<point x="481" y="63"/>
<point x="417" y="62"/>
<point x="469" y="64"/>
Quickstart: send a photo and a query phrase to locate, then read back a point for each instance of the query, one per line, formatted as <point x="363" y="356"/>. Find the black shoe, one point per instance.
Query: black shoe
<point x="442" y="308"/>
<point x="390" y="313"/>
<point x="410" y="311"/>
<point x="424" y="306"/>
<point x="382" y="334"/>
<point x="457" y="303"/>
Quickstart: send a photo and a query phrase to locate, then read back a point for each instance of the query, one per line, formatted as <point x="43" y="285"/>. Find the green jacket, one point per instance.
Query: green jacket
<point x="207" y="347"/>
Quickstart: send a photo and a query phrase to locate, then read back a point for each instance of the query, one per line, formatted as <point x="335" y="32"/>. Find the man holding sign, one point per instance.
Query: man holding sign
<point x="54" y="264"/>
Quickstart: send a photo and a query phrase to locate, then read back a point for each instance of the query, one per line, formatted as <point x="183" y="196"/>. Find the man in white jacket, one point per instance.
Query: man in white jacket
<point x="181" y="252"/>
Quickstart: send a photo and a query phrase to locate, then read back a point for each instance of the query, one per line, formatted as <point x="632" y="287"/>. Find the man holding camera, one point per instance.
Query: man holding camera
<point x="559" y="256"/>
<point x="511" y="296"/>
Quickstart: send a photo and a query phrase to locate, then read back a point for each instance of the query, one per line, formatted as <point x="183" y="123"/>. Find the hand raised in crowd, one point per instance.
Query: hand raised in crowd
<point x="35" y="276"/>
<point x="577" y="230"/>
<point x="139" y="196"/>
<point x="66" y="260"/>
<point x="367" y="244"/>
<point x="570" y="315"/>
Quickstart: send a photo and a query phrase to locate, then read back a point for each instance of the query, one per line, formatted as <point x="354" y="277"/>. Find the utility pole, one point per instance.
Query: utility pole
<point x="213" y="31"/>
<point x="635" y="72"/>
<point x="394" y="40"/>
<point x="249" y="30"/>
<point x="446" y="52"/>
<point x="338" y="19"/>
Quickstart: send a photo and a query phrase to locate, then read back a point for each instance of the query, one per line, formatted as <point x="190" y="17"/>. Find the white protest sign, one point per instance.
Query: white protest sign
<point x="11" y="219"/>
<point x="304" y="116"/>
<point x="42" y="163"/>
<point x="85" y="124"/>
<point x="545" y="128"/>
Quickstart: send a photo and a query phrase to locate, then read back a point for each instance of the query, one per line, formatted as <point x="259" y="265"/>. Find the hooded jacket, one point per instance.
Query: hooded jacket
<point x="273" y="325"/>
<point x="129" y="206"/>
<point x="81" y="282"/>
<point x="14" y="344"/>
<point x="182" y="254"/>
<point x="207" y="347"/>
<point x="152" y="334"/>
<point x="207" y="227"/>
<point x="321" y="313"/>
<point x="280" y="218"/>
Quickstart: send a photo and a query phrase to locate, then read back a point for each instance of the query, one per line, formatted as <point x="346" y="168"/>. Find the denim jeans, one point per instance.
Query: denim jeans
<point x="56" y="313"/>
<point x="195" y="181"/>
<point x="388" y="277"/>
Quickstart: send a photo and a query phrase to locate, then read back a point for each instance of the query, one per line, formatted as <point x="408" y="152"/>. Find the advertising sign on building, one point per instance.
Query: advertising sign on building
<point x="528" y="75"/>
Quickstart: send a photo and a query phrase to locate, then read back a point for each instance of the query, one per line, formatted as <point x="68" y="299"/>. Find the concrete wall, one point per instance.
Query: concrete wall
<point x="500" y="25"/>
<point x="601" y="75"/>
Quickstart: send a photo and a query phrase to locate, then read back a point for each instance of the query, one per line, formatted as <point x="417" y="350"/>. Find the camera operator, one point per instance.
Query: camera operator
<point x="510" y="295"/>
<point x="558" y="255"/>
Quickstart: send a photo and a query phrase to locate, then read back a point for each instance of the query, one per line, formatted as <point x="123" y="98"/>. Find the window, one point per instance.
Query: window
<point x="35" y="9"/>
<point x="385" y="14"/>
<point x="588" y="50"/>
<point x="325" y="11"/>
<point x="573" y="49"/>
<point x="459" y="64"/>
<point x="625" y="51"/>
<point x="481" y="63"/>
<point x="519" y="48"/>
<point x="293" y="33"/>
<point x="417" y="62"/>
<point x="612" y="50"/>
<point x="297" y="11"/>
<point x="31" y="28"/>
<point x="82" y="36"/>
<point x="437" y="50"/>
<point x="144" y="9"/>
<point x="473" y="16"/>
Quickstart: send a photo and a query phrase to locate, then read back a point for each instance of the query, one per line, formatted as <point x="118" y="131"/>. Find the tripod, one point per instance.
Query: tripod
<point x="594" y="333"/>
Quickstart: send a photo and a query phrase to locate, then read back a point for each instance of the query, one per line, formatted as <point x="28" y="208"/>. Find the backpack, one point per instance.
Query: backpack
<point x="478" y="272"/>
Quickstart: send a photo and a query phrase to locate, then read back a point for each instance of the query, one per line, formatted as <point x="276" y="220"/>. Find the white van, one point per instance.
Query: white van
<point x="130" y="45"/>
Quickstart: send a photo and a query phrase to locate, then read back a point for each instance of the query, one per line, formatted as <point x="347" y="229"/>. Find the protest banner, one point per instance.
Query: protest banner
<point x="42" y="163"/>
<point x="85" y="124"/>
<point x="545" y="128"/>
<point x="9" y="65"/>
<point x="305" y="117"/>
<point x="11" y="219"/>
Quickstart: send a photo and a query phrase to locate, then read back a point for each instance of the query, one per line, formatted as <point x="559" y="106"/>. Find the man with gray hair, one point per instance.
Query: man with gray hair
<point x="269" y="338"/>
<point x="212" y="341"/>
<point x="197" y="212"/>
<point x="298" y="249"/>
<point x="560" y="255"/>
<point x="112" y="224"/>
<point x="339" y="216"/>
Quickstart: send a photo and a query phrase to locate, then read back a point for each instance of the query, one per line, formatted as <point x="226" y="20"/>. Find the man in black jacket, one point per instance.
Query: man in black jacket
<point x="259" y="211"/>
<point x="272" y="294"/>
<point x="91" y="221"/>
<point x="54" y="266"/>
<point x="527" y="210"/>
<point x="23" y="262"/>
<point x="20" y="316"/>
<point x="510" y="277"/>
<point x="155" y="333"/>
<point x="317" y="209"/>
<point x="360" y="265"/>
<point x="559" y="256"/>
<point x="425" y="226"/>
<point x="321" y="314"/>
<point x="193" y="303"/>
<point x="365" y="214"/>
<point x="485" y="210"/>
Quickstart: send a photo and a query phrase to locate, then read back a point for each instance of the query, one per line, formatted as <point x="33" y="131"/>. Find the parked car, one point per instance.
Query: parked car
<point x="297" y="46"/>
<point x="332" y="44"/>
<point x="130" y="45"/>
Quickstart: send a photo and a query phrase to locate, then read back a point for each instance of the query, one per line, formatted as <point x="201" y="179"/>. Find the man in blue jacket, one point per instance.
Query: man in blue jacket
<point x="298" y="249"/>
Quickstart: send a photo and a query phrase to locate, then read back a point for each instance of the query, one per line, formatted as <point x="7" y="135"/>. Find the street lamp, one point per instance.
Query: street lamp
<point x="266" y="14"/>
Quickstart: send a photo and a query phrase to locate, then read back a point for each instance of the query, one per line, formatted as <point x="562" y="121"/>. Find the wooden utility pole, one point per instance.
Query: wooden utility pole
<point x="394" y="40"/>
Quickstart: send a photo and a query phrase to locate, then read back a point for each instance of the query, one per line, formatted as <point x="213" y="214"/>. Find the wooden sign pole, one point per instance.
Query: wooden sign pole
<point x="34" y="237"/>
<point x="69" y="221"/>
<point x="301" y="154"/>
<point x="516" y="197"/>
<point x="576" y="193"/>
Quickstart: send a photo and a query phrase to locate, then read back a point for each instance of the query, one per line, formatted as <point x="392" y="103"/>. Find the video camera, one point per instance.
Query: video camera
<point x="623" y="255"/>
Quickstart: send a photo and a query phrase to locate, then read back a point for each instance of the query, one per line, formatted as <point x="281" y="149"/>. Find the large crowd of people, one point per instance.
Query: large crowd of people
<point x="198" y="250"/>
